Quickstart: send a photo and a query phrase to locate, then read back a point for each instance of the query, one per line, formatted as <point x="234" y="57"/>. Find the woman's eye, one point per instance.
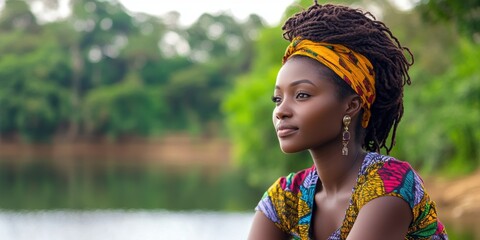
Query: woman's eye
<point x="276" y="99"/>
<point x="303" y="95"/>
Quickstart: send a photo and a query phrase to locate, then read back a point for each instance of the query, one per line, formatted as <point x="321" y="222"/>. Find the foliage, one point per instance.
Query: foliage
<point x="437" y="131"/>
<point x="105" y="72"/>
<point x="441" y="129"/>
<point x="33" y="100"/>
<point x="465" y="14"/>
<point x="123" y="109"/>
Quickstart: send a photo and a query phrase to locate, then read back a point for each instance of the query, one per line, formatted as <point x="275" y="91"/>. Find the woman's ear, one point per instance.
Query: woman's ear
<point x="354" y="105"/>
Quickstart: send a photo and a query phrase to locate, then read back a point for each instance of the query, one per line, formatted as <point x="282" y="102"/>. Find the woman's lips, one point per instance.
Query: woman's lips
<point x="285" y="131"/>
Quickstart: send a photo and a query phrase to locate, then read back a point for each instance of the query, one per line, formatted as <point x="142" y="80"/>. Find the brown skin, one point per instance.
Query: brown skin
<point x="308" y="115"/>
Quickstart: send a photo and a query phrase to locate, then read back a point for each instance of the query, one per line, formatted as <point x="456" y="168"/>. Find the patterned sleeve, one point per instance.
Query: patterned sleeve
<point x="286" y="202"/>
<point x="273" y="203"/>
<point x="266" y="205"/>
<point x="397" y="178"/>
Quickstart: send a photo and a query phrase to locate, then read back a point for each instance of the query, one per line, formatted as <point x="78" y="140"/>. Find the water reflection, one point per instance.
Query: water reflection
<point x="123" y="225"/>
<point x="178" y="174"/>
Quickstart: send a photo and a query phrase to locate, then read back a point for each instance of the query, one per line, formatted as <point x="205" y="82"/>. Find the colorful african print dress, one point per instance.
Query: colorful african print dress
<point x="289" y="201"/>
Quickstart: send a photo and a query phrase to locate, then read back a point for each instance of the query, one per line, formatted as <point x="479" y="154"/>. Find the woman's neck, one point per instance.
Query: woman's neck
<point x="337" y="172"/>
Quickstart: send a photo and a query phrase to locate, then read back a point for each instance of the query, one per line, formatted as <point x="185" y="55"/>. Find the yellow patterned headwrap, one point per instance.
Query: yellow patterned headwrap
<point x="354" y="68"/>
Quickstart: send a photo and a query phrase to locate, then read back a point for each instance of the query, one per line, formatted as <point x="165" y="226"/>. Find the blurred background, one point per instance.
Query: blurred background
<point x="152" y="119"/>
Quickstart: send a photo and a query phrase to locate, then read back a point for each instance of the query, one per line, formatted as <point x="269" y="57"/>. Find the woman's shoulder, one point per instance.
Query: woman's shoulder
<point x="393" y="173"/>
<point x="376" y="161"/>
<point x="385" y="175"/>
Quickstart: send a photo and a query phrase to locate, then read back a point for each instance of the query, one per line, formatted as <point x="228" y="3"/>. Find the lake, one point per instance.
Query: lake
<point x="123" y="225"/>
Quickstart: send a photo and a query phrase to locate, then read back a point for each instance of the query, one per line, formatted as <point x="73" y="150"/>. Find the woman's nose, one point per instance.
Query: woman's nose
<point x="282" y="111"/>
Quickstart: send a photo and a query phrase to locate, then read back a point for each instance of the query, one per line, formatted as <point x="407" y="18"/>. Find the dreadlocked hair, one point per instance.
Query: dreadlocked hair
<point x="361" y="32"/>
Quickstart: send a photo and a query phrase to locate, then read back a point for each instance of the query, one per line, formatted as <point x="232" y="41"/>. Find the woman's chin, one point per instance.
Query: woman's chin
<point x="290" y="149"/>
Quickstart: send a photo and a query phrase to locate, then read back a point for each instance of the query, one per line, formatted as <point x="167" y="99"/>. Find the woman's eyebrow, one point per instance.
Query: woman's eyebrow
<point x="302" y="81"/>
<point x="298" y="82"/>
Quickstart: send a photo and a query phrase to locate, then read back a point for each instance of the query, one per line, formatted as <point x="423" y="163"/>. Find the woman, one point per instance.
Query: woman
<point x="338" y="94"/>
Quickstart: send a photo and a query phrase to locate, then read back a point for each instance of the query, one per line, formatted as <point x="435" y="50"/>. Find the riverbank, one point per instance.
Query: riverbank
<point x="177" y="150"/>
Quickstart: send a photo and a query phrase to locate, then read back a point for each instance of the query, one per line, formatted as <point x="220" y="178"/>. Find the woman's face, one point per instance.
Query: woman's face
<point x="308" y="112"/>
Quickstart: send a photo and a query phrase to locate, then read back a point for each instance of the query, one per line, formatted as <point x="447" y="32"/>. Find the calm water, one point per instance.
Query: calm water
<point x="122" y="225"/>
<point x="145" y="225"/>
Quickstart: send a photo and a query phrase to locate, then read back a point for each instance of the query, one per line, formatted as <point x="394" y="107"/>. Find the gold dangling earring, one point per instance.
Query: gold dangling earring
<point x="345" y="134"/>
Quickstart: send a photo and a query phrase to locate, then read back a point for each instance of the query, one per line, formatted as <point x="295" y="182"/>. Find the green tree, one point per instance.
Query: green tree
<point x="220" y="49"/>
<point x="106" y="71"/>
<point x="465" y="14"/>
<point x="16" y="15"/>
<point x="100" y="32"/>
<point x="440" y="130"/>
<point x="33" y="99"/>
<point x="124" y="109"/>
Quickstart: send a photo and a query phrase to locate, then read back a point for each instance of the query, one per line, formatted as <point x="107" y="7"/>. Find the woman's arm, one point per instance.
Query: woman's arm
<point x="264" y="229"/>
<point x="382" y="218"/>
